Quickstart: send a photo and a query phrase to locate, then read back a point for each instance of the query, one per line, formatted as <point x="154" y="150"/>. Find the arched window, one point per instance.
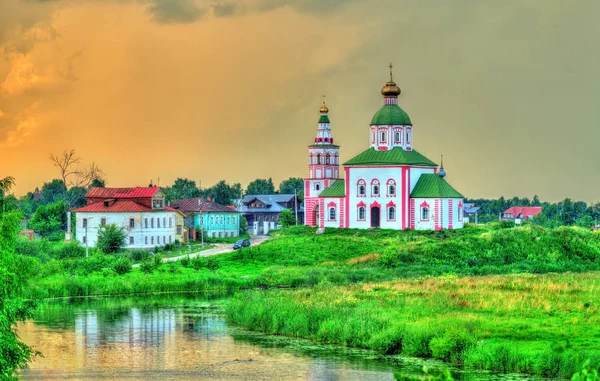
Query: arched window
<point x="361" y="213"/>
<point x="362" y="187"/>
<point x="170" y="222"/>
<point x="328" y="159"/>
<point x="375" y="187"/>
<point x="391" y="187"/>
<point x="382" y="136"/>
<point x="397" y="137"/>
<point x="317" y="186"/>
<point x="318" y="158"/>
<point x="373" y="137"/>
<point x="332" y="214"/>
<point x="391" y="213"/>
<point x="425" y="213"/>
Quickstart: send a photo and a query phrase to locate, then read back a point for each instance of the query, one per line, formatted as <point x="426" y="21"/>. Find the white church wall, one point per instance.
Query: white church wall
<point x="424" y="224"/>
<point x="335" y="203"/>
<point x="415" y="173"/>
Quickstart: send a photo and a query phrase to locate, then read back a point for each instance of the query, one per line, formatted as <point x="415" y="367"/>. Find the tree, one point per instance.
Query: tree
<point x="14" y="272"/>
<point x="182" y="188"/>
<point x="5" y="185"/>
<point x="261" y="186"/>
<point x="111" y="239"/>
<point x="243" y="225"/>
<point x="586" y="221"/>
<point x="223" y="193"/>
<point x="54" y="191"/>
<point x="73" y="175"/>
<point x="287" y="218"/>
<point x="292" y="184"/>
<point x="49" y="218"/>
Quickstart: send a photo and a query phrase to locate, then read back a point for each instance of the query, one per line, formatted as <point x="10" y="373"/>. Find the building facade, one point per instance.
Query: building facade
<point x="389" y="185"/>
<point x="263" y="211"/>
<point x="141" y="212"/>
<point x="217" y="221"/>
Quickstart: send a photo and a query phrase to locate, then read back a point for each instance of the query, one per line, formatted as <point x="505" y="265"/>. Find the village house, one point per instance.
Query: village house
<point x="389" y="185"/>
<point x="217" y="221"/>
<point x="141" y="212"/>
<point x="520" y="213"/>
<point x="262" y="211"/>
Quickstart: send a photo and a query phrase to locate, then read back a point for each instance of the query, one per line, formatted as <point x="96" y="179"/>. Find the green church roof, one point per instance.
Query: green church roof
<point x="337" y="189"/>
<point x="431" y="185"/>
<point x="324" y="119"/>
<point x="395" y="156"/>
<point x="391" y="114"/>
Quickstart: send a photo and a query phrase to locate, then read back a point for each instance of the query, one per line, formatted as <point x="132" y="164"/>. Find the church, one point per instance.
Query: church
<point x="390" y="185"/>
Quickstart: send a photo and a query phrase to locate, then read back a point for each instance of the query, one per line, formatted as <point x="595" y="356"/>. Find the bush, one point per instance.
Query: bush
<point x="70" y="250"/>
<point x="56" y="236"/>
<point x="185" y="261"/>
<point x="210" y="263"/>
<point x="38" y="248"/>
<point x="111" y="239"/>
<point x="121" y="265"/>
<point x="139" y="255"/>
<point x="147" y="266"/>
<point x="451" y="345"/>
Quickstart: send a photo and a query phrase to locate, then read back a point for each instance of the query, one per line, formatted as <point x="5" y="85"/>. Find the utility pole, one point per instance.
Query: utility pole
<point x="296" y="204"/>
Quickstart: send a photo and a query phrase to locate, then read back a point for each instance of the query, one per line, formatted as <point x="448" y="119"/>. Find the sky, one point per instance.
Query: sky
<point x="508" y="91"/>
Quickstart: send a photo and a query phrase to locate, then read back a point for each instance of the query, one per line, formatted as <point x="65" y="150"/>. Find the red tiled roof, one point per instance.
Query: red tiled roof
<point x="138" y="192"/>
<point x="121" y="206"/>
<point x="525" y="210"/>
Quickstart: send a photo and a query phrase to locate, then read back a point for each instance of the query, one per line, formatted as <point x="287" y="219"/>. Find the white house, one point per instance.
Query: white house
<point x="389" y="185"/>
<point x="140" y="211"/>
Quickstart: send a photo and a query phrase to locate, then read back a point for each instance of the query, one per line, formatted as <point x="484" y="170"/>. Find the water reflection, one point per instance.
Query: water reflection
<point x="179" y="338"/>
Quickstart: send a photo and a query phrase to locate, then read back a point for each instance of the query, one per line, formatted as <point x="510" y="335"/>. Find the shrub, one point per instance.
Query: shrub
<point x="139" y="255"/>
<point x="70" y="250"/>
<point x="451" y="345"/>
<point x="56" y="236"/>
<point x="121" y="265"/>
<point x="185" y="261"/>
<point x="111" y="239"/>
<point x="210" y="263"/>
<point x="147" y="266"/>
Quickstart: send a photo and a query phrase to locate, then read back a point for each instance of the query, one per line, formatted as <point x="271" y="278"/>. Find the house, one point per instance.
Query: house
<point x="217" y="221"/>
<point x="262" y="211"/>
<point x="142" y="212"/>
<point x="519" y="213"/>
<point x="389" y="185"/>
<point x="470" y="211"/>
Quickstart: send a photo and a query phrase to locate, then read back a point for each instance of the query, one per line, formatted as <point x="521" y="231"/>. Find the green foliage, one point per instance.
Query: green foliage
<point x="121" y="265"/>
<point x="261" y="186"/>
<point x="70" y="250"/>
<point x="291" y="185"/>
<point x="147" y="266"/>
<point x="428" y="374"/>
<point x="287" y="218"/>
<point x="243" y="225"/>
<point x="48" y="219"/>
<point x="182" y="188"/>
<point x="53" y="192"/>
<point x="111" y="239"/>
<point x="210" y="263"/>
<point x="587" y="373"/>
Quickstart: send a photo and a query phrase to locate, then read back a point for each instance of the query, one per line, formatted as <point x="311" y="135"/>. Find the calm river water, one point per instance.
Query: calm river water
<point x="185" y="338"/>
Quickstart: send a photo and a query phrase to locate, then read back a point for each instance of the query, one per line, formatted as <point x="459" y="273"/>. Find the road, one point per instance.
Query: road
<point x="218" y="249"/>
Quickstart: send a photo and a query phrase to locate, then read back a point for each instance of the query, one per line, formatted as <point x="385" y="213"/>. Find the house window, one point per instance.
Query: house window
<point x="145" y="240"/>
<point x="375" y="188"/>
<point x="213" y="234"/>
<point x="169" y="239"/>
<point x="131" y="223"/>
<point x="84" y="239"/>
<point x="131" y="240"/>
<point x="170" y="222"/>
<point x="158" y="204"/>
<point x="146" y="223"/>
<point x="391" y="213"/>
<point x="164" y="222"/>
<point x="103" y="222"/>
<point x="152" y="240"/>
<point x="317" y="186"/>
<point x="158" y="222"/>
<point x="424" y="213"/>
<point x="152" y="222"/>
<point x="84" y="223"/>
<point x="164" y="239"/>
<point x="328" y="159"/>
<point x="361" y="213"/>
<point x="332" y="214"/>
<point x="179" y="229"/>
<point x="212" y="220"/>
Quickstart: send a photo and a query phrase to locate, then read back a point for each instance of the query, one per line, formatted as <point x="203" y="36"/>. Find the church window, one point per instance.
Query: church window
<point x="373" y="137"/>
<point x="317" y="186"/>
<point x="332" y="214"/>
<point x="318" y="158"/>
<point x="424" y="213"/>
<point x="328" y="159"/>
<point x="361" y="187"/>
<point x="382" y="137"/>
<point x="375" y="188"/>
<point x="361" y="213"/>
<point x="391" y="213"/>
<point x="391" y="184"/>
<point x="397" y="137"/>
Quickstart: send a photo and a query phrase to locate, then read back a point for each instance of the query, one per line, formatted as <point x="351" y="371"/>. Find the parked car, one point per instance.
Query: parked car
<point x="241" y="243"/>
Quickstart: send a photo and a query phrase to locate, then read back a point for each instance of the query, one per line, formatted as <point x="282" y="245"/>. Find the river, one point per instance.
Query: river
<point x="186" y="338"/>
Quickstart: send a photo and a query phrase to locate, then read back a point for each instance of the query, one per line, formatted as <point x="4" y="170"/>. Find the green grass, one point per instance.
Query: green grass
<point x="539" y="324"/>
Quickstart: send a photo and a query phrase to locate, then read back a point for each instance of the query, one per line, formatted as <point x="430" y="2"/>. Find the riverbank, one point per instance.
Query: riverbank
<point x="546" y="325"/>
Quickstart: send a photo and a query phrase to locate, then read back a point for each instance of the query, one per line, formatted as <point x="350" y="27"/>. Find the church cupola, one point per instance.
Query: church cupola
<point x="391" y="127"/>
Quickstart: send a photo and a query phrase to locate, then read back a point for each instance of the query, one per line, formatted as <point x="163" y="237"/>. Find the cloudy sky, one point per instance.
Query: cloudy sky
<point x="508" y="91"/>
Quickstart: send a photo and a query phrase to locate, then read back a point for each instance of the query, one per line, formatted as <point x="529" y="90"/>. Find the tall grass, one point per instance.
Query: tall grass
<point x="540" y="324"/>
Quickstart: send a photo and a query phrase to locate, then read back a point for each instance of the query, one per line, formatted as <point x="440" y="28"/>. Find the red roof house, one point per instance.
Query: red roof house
<point x="521" y="212"/>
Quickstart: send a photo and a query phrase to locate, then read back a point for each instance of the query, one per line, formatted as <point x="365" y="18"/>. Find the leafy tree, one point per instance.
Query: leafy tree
<point x="243" y="225"/>
<point x="292" y="184"/>
<point x="287" y="218"/>
<point x="77" y="196"/>
<point x="49" y="218"/>
<point x="5" y="185"/>
<point x="98" y="183"/>
<point x="53" y="191"/>
<point x="111" y="239"/>
<point x="261" y="186"/>
<point x="182" y="188"/>
<point x="586" y="221"/>
<point x="223" y="193"/>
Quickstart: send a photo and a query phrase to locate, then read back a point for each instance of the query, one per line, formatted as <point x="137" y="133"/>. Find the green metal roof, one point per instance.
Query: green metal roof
<point x="391" y="114"/>
<point x="324" y="119"/>
<point x="395" y="156"/>
<point x="432" y="185"/>
<point x="337" y="189"/>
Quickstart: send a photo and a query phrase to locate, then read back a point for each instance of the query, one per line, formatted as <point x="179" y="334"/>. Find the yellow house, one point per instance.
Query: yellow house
<point x="181" y="232"/>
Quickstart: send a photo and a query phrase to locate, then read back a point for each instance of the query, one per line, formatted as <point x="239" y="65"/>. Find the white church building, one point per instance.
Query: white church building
<point x="389" y="185"/>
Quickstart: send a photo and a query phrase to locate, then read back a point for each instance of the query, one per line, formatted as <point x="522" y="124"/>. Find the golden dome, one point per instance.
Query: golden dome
<point x="390" y="88"/>
<point x="324" y="109"/>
